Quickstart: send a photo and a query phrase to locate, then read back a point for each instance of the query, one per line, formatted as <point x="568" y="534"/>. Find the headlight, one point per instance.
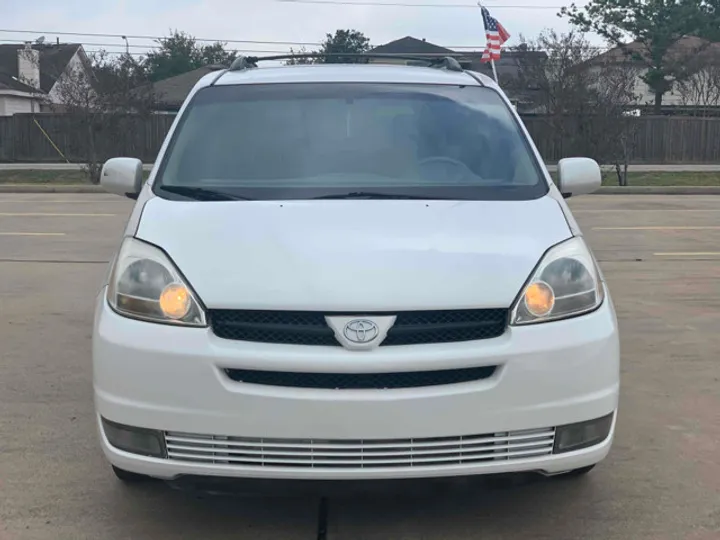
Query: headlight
<point x="566" y="283"/>
<point x="146" y="285"/>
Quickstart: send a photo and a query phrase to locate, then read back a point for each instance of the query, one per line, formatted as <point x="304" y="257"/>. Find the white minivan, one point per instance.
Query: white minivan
<point x="352" y="272"/>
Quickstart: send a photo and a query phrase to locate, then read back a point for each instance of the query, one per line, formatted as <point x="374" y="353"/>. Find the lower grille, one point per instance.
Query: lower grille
<point x="284" y="327"/>
<point x="310" y="328"/>
<point x="359" y="454"/>
<point x="358" y="381"/>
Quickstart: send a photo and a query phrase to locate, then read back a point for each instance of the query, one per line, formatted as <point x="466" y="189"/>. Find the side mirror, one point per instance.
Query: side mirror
<point x="122" y="176"/>
<point x="578" y="176"/>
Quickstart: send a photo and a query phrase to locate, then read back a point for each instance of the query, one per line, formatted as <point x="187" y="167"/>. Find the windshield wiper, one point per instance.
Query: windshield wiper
<point x="377" y="195"/>
<point x="203" y="194"/>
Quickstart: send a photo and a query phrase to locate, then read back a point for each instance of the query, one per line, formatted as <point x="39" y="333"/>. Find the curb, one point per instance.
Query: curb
<point x="658" y="190"/>
<point x="607" y="190"/>
<point x="43" y="188"/>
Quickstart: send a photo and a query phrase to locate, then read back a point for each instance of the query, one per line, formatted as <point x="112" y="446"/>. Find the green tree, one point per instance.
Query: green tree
<point x="656" y="27"/>
<point x="344" y="42"/>
<point x="117" y="75"/>
<point x="300" y="60"/>
<point x="180" y="53"/>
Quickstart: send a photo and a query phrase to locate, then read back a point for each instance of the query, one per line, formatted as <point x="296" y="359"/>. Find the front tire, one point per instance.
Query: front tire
<point x="128" y="477"/>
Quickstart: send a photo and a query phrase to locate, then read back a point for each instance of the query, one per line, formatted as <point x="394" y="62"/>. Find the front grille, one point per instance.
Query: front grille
<point x="287" y="327"/>
<point x="310" y="327"/>
<point x="359" y="454"/>
<point x="356" y="381"/>
<point x="446" y="326"/>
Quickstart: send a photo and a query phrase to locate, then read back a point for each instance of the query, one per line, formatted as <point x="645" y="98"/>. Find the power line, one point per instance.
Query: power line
<point x="121" y="36"/>
<point x="89" y="44"/>
<point x="238" y="41"/>
<point x="468" y="55"/>
<point x="124" y="53"/>
<point x="481" y="48"/>
<point x="457" y="48"/>
<point x="131" y="45"/>
<point x="140" y="54"/>
<point x="155" y="45"/>
<point x="404" y="4"/>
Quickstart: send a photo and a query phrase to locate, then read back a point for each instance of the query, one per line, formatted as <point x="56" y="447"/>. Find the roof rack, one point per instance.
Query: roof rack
<point x="447" y="62"/>
<point x="243" y="62"/>
<point x="441" y="62"/>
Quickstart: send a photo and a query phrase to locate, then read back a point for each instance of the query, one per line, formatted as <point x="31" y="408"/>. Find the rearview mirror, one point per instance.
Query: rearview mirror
<point x="122" y="176"/>
<point x="578" y="176"/>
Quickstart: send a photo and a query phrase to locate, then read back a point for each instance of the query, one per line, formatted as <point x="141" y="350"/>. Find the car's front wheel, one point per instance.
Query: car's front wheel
<point x="129" y="477"/>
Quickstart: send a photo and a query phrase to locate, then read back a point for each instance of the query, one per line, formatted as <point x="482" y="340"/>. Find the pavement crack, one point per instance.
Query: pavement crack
<point x="322" y="519"/>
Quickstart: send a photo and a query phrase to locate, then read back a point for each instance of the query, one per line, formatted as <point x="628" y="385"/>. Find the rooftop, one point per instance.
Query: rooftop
<point x="684" y="49"/>
<point x="411" y="45"/>
<point x="53" y="61"/>
<point x="172" y="92"/>
<point x="9" y="82"/>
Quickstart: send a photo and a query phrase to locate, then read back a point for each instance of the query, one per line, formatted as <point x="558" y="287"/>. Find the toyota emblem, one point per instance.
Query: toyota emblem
<point x="361" y="331"/>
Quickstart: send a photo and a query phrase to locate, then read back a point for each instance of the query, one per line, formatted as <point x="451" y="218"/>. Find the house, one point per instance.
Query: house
<point x="169" y="94"/>
<point x="409" y="46"/>
<point x="16" y="97"/>
<point x="508" y="67"/>
<point x="698" y="58"/>
<point x="31" y="75"/>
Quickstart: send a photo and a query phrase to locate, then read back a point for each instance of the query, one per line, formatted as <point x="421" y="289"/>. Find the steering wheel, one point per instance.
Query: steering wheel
<point x="461" y="170"/>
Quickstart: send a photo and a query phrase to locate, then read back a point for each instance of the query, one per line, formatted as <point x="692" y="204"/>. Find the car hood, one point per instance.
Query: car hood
<point x="355" y="255"/>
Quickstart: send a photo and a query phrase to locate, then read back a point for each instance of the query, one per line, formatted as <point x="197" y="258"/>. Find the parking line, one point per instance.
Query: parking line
<point x="670" y="228"/>
<point x="690" y="254"/>
<point x="43" y="214"/>
<point x="634" y="210"/>
<point x="64" y="201"/>
<point x="32" y="234"/>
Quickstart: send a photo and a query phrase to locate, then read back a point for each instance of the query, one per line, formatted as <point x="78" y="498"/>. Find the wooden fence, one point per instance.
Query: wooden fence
<point x="656" y="140"/>
<point x="653" y="139"/>
<point x="22" y="140"/>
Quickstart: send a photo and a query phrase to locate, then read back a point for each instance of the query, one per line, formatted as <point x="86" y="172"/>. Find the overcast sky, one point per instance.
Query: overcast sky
<point x="271" y="20"/>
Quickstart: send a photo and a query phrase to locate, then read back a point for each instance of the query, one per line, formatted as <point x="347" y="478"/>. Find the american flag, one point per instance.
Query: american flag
<point x="495" y="34"/>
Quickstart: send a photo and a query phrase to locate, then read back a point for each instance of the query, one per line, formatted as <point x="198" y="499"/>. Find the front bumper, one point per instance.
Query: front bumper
<point x="171" y="379"/>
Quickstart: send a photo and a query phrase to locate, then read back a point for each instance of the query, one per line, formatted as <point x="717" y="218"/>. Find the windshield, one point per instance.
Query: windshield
<point x="305" y="141"/>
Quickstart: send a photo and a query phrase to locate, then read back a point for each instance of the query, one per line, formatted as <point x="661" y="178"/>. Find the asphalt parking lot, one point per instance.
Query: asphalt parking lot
<point x="661" y="255"/>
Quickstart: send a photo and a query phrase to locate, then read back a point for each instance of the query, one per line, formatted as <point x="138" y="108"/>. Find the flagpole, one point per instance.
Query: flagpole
<point x="492" y="62"/>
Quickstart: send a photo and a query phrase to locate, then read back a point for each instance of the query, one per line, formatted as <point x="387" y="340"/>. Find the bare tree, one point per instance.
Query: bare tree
<point x="701" y="91"/>
<point x="614" y="117"/>
<point x="559" y="86"/>
<point x="102" y="102"/>
<point x="583" y="101"/>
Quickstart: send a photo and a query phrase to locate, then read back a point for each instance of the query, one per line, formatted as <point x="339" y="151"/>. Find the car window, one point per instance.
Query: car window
<point x="305" y="140"/>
